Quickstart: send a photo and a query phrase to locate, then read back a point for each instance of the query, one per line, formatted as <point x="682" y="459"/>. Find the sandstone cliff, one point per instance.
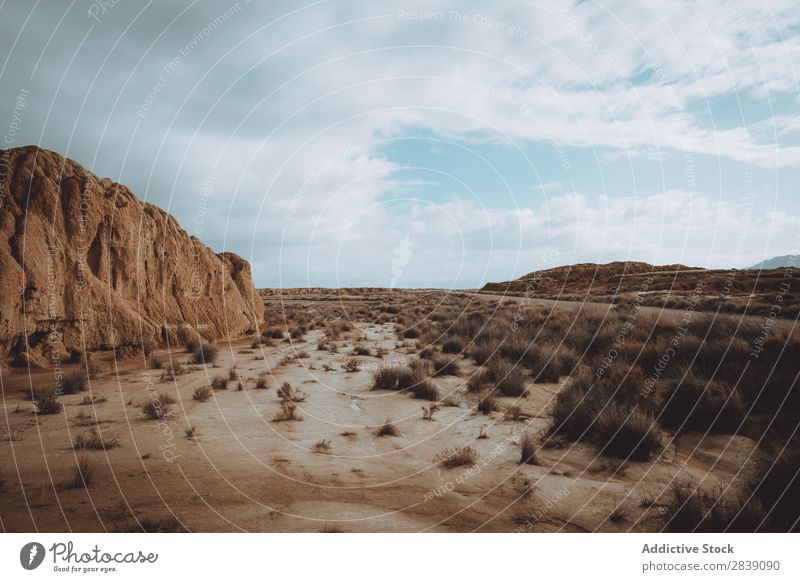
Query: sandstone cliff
<point x="86" y="265"/>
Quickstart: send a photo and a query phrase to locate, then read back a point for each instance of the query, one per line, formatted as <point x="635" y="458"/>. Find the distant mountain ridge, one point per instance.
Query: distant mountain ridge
<point x="585" y="276"/>
<point x="776" y="263"/>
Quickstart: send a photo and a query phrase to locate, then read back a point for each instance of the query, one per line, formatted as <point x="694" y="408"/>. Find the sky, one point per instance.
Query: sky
<point x="427" y="144"/>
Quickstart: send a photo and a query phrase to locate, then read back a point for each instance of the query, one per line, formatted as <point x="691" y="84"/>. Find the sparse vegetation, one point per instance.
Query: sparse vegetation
<point x="93" y="441"/>
<point x="528" y="446"/>
<point x="204" y="353"/>
<point x="288" y="394"/>
<point x="387" y="429"/>
<point x="352" y="365"/>
<point x="288" y="412"/>
<point x="48" y="403"/>
<point x="202" y="393"/>
<point x="83" y="472"/>
<point x="457" y="457"/>
<point x="487" y="404"/>
<point x="445" y="367"/>
<point x="159" y="407"/>
<point x="322" y="446"/>
<point x="74" y="383"/>
<point x="429" y="411"/>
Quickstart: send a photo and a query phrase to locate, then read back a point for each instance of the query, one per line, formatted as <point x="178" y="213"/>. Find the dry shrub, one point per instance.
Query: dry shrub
<point x="203" y="393"/>
<point x="386" y="378"/>
<point x="48" y="403"/>
<point x="691" y="403"/>
<point x="74" y="383"/>
<point x="445" y="367"/>
<point x="429" y="411"/>
<point x="83" y="472"/>
<point x="351" y="365"/>
<point x="453" y="345"/>
<point x="387" y="429"/>
<point x="528" y="448"/>
<point x="487" y="404"/>
<point x="321" y="446"/>
<point x="426" y="390"/>
<point x="288" y="412"/>
<point x="626" y="433"/>
<point x="205" y="353"/>
<point x="159" y="407"/>
<point x="219" y="383"/>
<point x="288" y="394"/>
<point x="508" y="378"/>
<point x="457" y="457"/>
<point x="690" y="509"/>
<point x="93" y="440"/>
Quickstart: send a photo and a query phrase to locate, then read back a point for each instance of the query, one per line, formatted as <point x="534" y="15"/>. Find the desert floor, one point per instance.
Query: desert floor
<point x="243" y="470"/>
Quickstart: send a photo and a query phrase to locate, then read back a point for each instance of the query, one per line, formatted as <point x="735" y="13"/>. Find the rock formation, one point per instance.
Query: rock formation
<point x="85" y="265"/>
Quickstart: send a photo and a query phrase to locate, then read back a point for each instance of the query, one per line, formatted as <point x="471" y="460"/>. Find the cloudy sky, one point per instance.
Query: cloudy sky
<point x="427" y="144"/>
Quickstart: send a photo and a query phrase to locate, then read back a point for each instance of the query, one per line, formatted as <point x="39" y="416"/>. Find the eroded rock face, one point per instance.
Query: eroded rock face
<point x="86" y="265"/>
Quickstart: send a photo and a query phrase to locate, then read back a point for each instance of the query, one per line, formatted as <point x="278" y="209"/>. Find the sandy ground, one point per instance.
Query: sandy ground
<point x="243" y="471"/>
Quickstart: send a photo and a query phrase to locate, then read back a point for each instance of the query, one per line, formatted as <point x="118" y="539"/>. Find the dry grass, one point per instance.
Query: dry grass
<point x="82" y="473"/>
<point x="322" y="446"/>
<point x="204" y="353"/>
<point x="457" y="457"/>
<point x="48" y="404"/>
<point x="94" y="441"/>
<point x="387" y="429"/>
<point x="529" y="447"/>
<point x="487" y="404"/>
<point x="444" y="366"/>
<point x="159" y="407"/>
<point x="288" y="412"/>
<point x="203" y="393"/>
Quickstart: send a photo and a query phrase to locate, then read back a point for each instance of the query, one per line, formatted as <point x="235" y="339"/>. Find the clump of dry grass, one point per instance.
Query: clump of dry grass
<point x="48" y="403"/>
<point x="513" y="412"/>
<point x="351" y="365"/>
<point x="288" y="394"/>
<point x="457" y="457"/>
<point x="386" y="378"/>
<point x="288" y="412"/>
<point x="74" y="383"/>
<point x="322" y="446"/>
<point x="159" y="407"/>
<point x="508" y="378"/>
<point x="83" y="472"/>
<point x="93" y="440"/>
<point x="204" y="353"/>
<point x="429" y="411"/>
<point x="528" y="448"/>
<point x="445" y="367"/>
<point x="89" y="399"/>
<point x="426" y="390"/>
<point x="203" y="393"/>
<point x="219" y="383"/>
<point x="626" y="433"/>
<point x="487" y="404"/>
<point x="190" y="432"/>
<point x="387" y="429"/>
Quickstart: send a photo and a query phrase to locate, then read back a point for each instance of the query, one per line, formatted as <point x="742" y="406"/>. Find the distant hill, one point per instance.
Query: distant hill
<point x="585" y="277"/>
<point x="776" y="263"/>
